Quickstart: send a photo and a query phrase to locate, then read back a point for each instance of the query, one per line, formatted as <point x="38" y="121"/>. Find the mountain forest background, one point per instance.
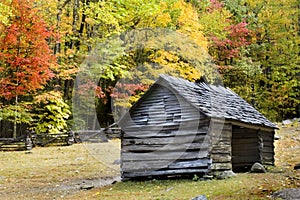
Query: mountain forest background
<point x="253" y="43"/>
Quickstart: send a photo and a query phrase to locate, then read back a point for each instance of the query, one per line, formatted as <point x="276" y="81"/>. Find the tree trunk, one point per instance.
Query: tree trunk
<point x="15" y="121"/>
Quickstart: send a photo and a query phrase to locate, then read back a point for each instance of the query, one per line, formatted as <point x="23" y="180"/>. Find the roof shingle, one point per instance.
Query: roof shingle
<point x="216" y="101"/>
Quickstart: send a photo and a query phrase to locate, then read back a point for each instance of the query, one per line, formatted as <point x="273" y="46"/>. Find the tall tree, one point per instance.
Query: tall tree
<point x="276" y="47"/>
<point x="25" y="57"/>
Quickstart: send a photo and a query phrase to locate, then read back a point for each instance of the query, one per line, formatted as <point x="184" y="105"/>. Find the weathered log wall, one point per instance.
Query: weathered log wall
<point x="267" y="147"/>
<point x="164" y="136"/>
<point x="221" y="146"/>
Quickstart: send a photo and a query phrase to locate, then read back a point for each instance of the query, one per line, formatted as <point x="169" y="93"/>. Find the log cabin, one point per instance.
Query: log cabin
<point x="183" y="128"/>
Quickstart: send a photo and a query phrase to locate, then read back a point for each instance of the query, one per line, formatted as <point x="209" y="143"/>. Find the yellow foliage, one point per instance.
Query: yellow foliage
<point x="215" y="22"/>
<point x="49" y="96"/>
<point x="174" y="65"/>
<point x="188" y="22"/>
<point x="5" y="12"/>
<point x="163" y="18"/>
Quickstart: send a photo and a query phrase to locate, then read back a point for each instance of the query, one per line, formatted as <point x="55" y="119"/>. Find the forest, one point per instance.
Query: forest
<point x="55" y="54"/>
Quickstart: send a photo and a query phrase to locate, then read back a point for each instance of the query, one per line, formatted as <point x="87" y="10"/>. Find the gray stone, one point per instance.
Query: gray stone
<point x="200" y="197"/>
<point x="297" y="166"/>
<point x="287" y="194"/>
<point x="286" y="122"/>
<point x="208" y="177"/>
<point x="258" y="168"/>
<point x="277" y="137"/>
<point x="117" y="162"/>
<point x="225" y="175"/>
<point x="296" y="119"/>
<point x="86" y="187"/>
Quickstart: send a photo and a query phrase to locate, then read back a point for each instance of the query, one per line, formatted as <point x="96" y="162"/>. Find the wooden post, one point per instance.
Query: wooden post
<point x="260" y="145"/>
<point x="70" y="138"/>
<point x="28" y="141"/>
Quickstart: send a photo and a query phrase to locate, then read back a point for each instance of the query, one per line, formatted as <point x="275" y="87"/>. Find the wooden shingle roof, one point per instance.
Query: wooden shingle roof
<point x="215" y="101"/>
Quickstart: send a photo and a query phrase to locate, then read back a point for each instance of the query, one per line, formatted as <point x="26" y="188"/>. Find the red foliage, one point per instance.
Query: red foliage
<point x="125" y="90"/>
<point x="215" y="5"/>
<point x="85" y="89"/>
<point x="25" y="56"/>
<point x="229" y="47"/>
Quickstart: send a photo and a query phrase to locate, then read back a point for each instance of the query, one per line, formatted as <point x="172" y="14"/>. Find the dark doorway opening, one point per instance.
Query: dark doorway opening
<point x="245" y="148"/>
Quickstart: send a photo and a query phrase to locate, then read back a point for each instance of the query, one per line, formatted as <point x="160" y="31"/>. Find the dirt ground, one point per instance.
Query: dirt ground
<point x="54" y="172"/>
<point x="81" y="170"/>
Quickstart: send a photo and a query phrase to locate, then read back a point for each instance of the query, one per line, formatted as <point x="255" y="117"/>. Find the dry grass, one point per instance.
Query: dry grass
<point x="288" y="147"/>
<point x="244" y="186"/>
<point x="49" y="173"/>
<point x="25" y="176"/>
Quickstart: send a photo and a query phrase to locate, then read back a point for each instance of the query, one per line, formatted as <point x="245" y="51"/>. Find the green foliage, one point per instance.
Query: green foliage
<point x="51" y="113"/>
<point x="16" y="113"/>
<point x="276" y="48"/>
<point x="244" y="78"/>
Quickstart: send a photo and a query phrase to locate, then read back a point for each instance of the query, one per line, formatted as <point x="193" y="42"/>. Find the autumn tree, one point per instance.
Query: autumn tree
<point x="275" y="49"/>
<point x="175" y="15"/>
<point x="266" y="70"/>
<point x="25" y="58"/>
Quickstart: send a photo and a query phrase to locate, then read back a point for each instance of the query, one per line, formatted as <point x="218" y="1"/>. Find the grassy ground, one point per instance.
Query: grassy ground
<point x="53" y="172"/>
<point x="59" y="173"/>
<point x="244" y="186"/>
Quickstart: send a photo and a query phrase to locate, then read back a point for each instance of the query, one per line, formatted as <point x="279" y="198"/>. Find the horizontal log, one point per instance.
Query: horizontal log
<point x="191" y="164"/>
<point x="166" y="147"/>
<point x="224" y="140"/>
<point x="163" y="173"/>
<point x="243" y="165"/>
<point x="268" y="142"/>
<point x="164" y="164"/>
<point x="162" y="155"/>
<point x="268" y="162"/>
<point x="180" y="139"/>
<point x="238" y="136"/>
<point x="245" y="147"/>
<point x="269" y="157"/>
<point x="135" y="128"/>
<point x="271" y="162"/>
<point x="6" y="147"/>
<point x="245" y="153"/>
<point x="249" y="126"/>
<point x="221" y="126"/>
<point x="12" y="144"/>
<point x="147" y="165"/>
<point x="188" y="123"/>
<point x="221" y="149"/>
<point x="221" y="166"/>
<point x="164" y="107"/>
<point x="222" y="134"/>
<point x="221" y="158"/>
<point x="245" y="132"/>
<point x="267" y="133"/>
<point x="222" y="143"/>
<point x="4" y="140"/>
<point x="248" y="159"/>
<point x="165" y="133"/>
<point x="267" y="149"/>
